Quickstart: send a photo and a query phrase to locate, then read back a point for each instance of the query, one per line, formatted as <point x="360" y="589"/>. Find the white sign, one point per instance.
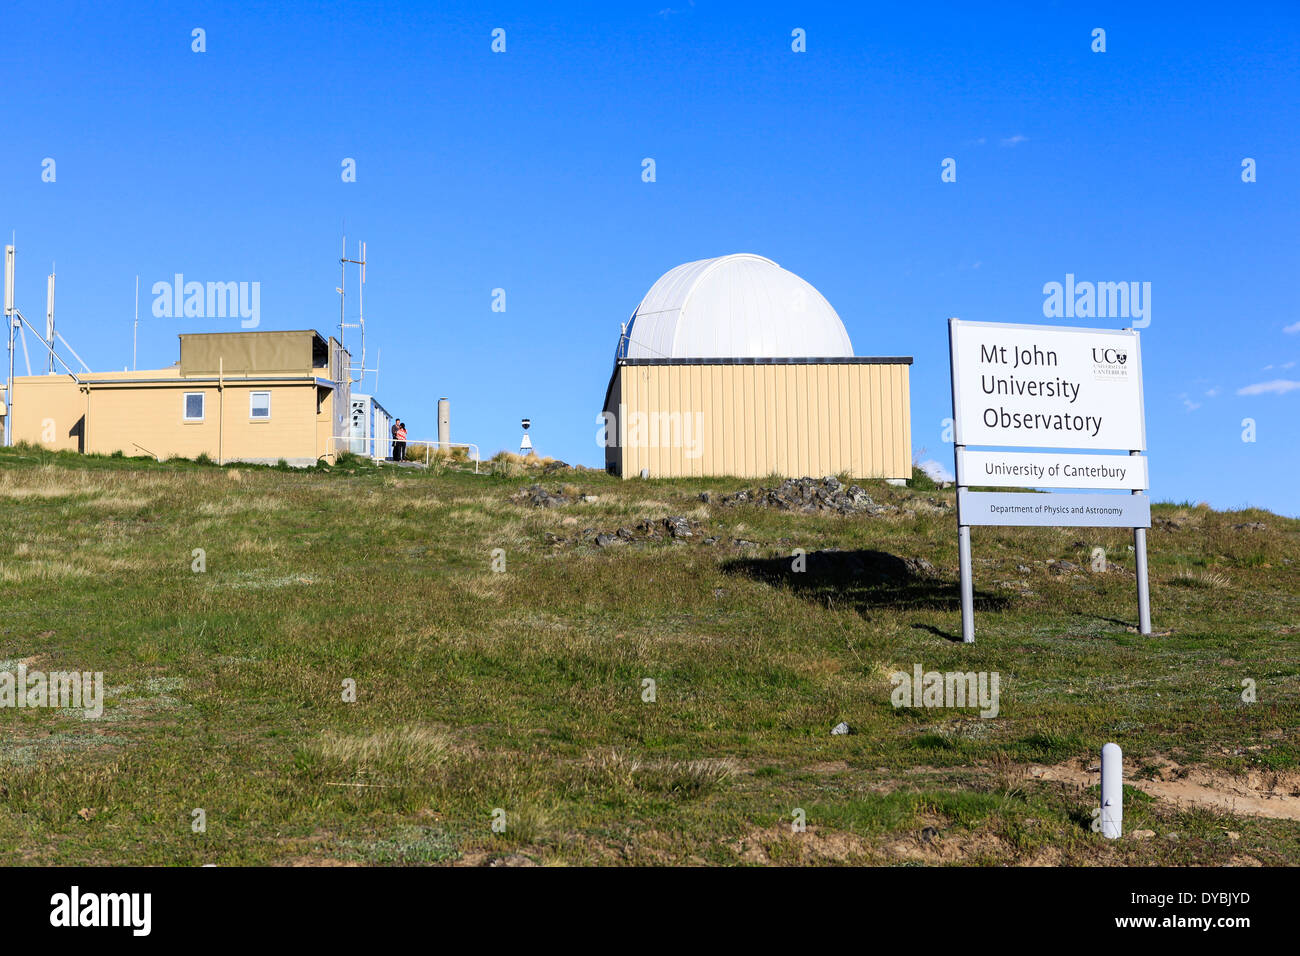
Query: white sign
<point x="1054" y="510"/>
<point x="1021" y="469"/>
<point x="1032" y="386"/>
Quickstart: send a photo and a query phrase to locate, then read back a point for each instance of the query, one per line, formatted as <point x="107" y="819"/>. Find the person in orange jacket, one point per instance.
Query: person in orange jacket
<point x="399" y="446"/>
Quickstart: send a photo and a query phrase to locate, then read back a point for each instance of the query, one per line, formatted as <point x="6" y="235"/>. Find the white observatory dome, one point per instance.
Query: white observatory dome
<point x="737" y="306"/>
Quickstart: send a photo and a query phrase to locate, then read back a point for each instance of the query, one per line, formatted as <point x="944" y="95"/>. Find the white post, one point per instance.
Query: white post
<point x="1144" y="591"/>
<point x="1112" y="792"/>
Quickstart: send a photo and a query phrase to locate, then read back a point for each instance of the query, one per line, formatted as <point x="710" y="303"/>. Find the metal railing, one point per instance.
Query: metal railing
<point x="374" y="443"/>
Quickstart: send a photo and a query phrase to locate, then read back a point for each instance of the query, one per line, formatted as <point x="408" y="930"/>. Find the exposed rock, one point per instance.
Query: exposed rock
<point x="539" y="497"/>
<point x="678" y="526"/>
<point x="706" y="497"/>
<point x="1250" y="526"/>
<point x="840" y="729"/>
<point x="675" y="527"/>
<point x="919" y="566"/>
<point x="809" y="495"/>
<point x="1143" y="834"/>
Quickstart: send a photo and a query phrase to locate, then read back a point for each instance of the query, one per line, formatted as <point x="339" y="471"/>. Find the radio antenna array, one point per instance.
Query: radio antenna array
<point x="360" y="324"/>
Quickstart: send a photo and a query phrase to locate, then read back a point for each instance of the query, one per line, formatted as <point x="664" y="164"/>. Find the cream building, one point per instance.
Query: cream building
<point x="234" y="396"/>
<point x="735" y="366"/>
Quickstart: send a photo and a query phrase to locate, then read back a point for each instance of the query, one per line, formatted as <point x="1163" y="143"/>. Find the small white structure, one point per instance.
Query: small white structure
<point x="526" y="443"/>
<point x="370" y="428"/>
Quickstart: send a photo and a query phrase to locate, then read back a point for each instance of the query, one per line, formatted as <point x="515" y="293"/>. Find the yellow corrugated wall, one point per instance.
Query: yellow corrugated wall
<point x="754" y="420"/>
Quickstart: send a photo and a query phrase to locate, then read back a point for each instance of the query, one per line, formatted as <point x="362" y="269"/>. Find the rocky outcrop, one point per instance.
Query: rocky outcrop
<point x="808" y="495"/>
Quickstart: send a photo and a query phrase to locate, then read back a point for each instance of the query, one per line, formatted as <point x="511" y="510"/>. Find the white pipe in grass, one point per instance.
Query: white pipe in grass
<point x="1112" y="791"/>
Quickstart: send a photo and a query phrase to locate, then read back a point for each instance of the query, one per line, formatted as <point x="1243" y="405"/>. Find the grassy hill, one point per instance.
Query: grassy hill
<point x="482" y="691"/>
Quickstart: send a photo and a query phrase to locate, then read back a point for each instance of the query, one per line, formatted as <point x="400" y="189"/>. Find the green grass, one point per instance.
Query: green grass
<point x="518" y="696"/>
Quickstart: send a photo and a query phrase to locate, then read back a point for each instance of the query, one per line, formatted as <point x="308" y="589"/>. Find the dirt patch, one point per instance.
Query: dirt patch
<point x="1256" y="794"/>
<point x="319" y="861"/>
<point x="829" y="766"/>
<point x="931" y="844"/>
<point x="782" y="846"/>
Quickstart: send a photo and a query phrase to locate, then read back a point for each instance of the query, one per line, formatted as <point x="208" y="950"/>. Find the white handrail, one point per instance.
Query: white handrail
<point x="376" y="439"/>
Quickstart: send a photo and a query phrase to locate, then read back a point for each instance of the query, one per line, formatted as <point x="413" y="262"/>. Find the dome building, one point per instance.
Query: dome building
<point x="735" y="366"/>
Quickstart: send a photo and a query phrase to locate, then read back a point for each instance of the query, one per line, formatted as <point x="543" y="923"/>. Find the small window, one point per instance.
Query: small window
<point x="259" y="405"/>
<point x="194" y="406"/>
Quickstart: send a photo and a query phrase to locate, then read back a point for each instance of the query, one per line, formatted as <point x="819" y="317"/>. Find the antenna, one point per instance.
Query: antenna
<point x="49" y="317"/>
<point x="9" y="321"/>
<point x="341" y="289"/>
<point x="9" y="281"/>
<point x="135" y="329"/>
<point x="17" y="335"/>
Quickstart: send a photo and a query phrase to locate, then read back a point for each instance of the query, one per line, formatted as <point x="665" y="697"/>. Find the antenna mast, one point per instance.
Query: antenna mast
<point x="49" y="317"/>
<point x="9" y="321"/>
<point x="344" y="262"/>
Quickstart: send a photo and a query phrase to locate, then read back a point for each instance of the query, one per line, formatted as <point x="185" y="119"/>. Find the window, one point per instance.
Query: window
<point x="194" y="406"/>
<point x="259" y="405"/>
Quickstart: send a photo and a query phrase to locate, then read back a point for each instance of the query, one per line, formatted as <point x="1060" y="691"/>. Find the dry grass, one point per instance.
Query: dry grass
<point x="522" y="691"/>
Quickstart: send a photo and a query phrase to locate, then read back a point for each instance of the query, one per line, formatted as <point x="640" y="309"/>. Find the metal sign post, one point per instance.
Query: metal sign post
<point x="1140" y="560"/>
<point x="1048" y="387"/>
<point x="963" y="529"/>
<point x="967" y="585"/>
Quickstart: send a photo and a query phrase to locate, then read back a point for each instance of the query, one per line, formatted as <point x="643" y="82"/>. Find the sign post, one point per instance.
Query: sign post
<point x="1048" y="387"/>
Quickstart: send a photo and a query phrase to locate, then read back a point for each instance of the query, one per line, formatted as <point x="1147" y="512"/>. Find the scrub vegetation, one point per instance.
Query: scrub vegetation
<point x="516" y="692"/>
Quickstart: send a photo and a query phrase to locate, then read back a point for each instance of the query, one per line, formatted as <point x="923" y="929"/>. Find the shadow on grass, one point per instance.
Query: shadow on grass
<point x="863" y="580"/>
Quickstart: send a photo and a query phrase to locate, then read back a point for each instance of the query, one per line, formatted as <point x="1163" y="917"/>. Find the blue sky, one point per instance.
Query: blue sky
<point x="522" y="171"/>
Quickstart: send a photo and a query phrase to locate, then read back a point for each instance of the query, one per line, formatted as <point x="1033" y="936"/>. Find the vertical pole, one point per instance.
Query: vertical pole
<point x="221" y="410"/>
<point x="967" y="586"/>
<point x="9" y="398"/>
<point x="135" y="327"/>
<point x="963" y="530"/>
<point x="343" y="295"/>
<point x="10" y="296"/>
<point x="49" y="321"/>
<point x="1112" y="792"/>
<point x="1144" y="591"/>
